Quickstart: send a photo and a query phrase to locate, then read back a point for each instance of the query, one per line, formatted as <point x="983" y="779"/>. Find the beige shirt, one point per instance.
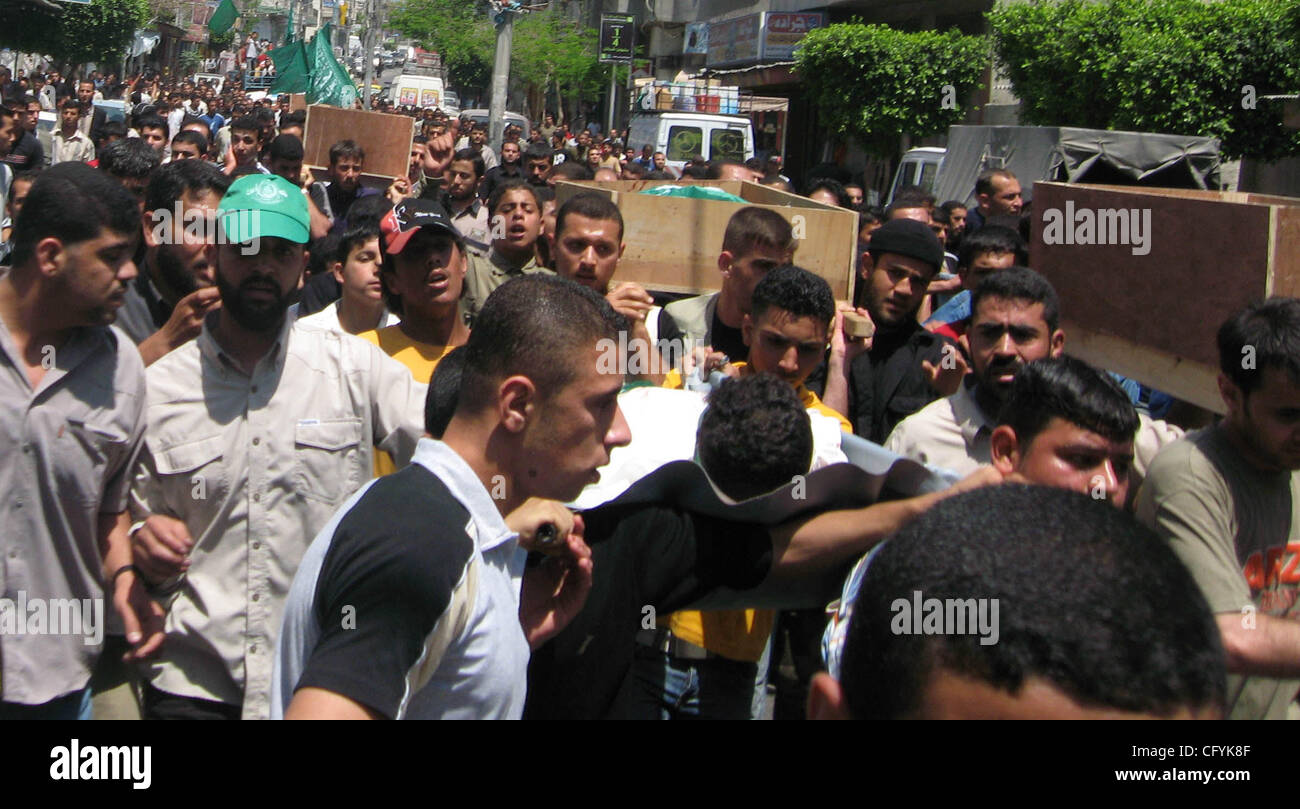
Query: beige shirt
<point x="953" y="433"/>
<point x="485" y="273"/>
<point x="1237" y="530"/>
<point x="473" y="224"/>
<point x="256" y="466"/>
<point x="76" y="147"/>
<point x="67" y="448"/>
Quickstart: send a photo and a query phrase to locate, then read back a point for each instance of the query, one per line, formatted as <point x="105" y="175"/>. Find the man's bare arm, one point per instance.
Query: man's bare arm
<point x="317" y="703"/>
<point x="1270" y="649"/>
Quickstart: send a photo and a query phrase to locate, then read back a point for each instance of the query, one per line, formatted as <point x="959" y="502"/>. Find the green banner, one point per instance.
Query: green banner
<point x="223" y="17"/>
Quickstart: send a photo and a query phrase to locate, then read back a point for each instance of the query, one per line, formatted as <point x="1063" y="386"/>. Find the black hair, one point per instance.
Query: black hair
<point x="634" y="169"/>
<point x="794" y="290"/>
<point x="753" y="228"/>
<point x="912" y="196"/>
<point x="131" y="158"/>
<point x="352" y="238"/>
<point x="591" y="205"/>
<point x="1262" y="335"/>
<point x="286" y="147"/>
<point x="368" y="210"/>
<point x="320" y="252"/>
<point x="494" y="199"/>
<point x="72" y="202"/>
<point x="536" y="325"/>
<point x="991" y="239"/>
<point x="151" y="121"/>
<point x="1088" y="599"/>
<point x="190" y="136"/>
<point x="191" y="120"/>
<point x="346" y="148"/>
<point x="1072" y="390"/>
<point x="952" y="205"/>
<point x="173" y="180"/>
<point x="835" y="187"/>
<point x="472" y="157"/>
<point x="694" y="172"/>
<point x="1019" y="284"/>
<point x="28" y="176"/>
<point x="112" y="129"/>
<point x="247" y="123"/>
<point x="984" y="183"/>
<point x="295" y="118"/>
<point x="571" y="170"/>
<point x="754" y="436"/>
<point x="444" y="392"/>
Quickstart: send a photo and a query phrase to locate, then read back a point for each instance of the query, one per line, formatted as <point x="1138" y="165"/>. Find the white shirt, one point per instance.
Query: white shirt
<point x="328" y="318"/>
<point x="663" y="423"/>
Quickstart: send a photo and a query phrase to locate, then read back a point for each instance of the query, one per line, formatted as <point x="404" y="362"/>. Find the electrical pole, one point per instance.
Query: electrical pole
<point x="372" y="29"/>
<point x="500" y="76"/>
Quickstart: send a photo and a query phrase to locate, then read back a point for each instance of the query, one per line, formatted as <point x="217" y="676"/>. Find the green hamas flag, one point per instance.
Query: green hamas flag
<point x="288" y="28"/>
<point x="292" y="70"/>
<point x="223" y="17"/>
<point x="329" y="83"/>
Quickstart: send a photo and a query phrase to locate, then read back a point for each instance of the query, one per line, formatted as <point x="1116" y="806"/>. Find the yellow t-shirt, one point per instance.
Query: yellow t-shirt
<point x="420" y="358"/>
<point x="737" y="634"/>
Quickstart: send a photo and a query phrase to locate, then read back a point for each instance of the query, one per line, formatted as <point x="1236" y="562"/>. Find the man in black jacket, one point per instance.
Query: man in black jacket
<point x="895" y="373"/>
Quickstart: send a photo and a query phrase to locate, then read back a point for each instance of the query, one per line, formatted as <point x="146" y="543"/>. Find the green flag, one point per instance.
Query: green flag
<point x="223" y="18"/>
<point x="292" y="71"/>
<point x="288" y="29"/>
<point x="329" y="83"/>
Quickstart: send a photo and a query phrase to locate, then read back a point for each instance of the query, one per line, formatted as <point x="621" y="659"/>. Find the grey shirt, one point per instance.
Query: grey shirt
<point x="255" y="466"/>
<point x="66" y="451"/>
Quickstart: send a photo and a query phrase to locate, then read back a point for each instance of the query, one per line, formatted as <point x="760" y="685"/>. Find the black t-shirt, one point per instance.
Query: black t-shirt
<point x="887" y="384"/>
<point x="728" y="340"/>
<point x="644" y="557"/>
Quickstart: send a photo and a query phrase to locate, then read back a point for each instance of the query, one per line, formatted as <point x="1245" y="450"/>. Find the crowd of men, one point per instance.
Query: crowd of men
<point x="313" y="441"/>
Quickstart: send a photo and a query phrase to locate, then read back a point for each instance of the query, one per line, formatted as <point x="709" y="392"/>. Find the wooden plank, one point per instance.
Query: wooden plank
<point x="1208" y="258"/>
<point x="1190" y="381"/>
<point x="297" y="101"/>
<point x="1285" y="272"/>
<point x="385" y="138"/>
<point x="673" y="242"/>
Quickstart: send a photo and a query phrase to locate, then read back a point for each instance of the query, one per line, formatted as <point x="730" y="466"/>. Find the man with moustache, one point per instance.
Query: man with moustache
<point x="258" y="430"/>
<point x="880" y="381"/>
<point x="167" y="301"/>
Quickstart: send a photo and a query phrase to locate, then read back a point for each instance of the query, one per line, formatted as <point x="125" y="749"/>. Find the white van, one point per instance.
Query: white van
<point x="417" y="91"/>
<point x="683" y="135"/>
<point x="919" y="167"/>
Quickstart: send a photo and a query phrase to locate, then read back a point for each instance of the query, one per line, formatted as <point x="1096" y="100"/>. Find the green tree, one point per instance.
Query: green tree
<point x="1179" y="66"/>
<point x="461" y="32"/>
<point x="874" y="83"/>
<point x="98" y="32"/>
<point x="553" y="51"/>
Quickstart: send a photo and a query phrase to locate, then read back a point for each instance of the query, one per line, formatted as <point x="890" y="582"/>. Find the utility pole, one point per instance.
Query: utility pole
<point x="505" y="19"/>
<point x="372" y="30"/>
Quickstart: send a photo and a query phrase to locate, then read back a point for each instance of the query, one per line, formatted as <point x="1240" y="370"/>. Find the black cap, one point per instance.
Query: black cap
<point x="908" y="237"/>
<point x="409" y="215"/>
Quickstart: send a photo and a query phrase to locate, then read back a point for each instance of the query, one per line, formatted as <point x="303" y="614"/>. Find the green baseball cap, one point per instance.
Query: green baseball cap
<point x="262" y="205"/>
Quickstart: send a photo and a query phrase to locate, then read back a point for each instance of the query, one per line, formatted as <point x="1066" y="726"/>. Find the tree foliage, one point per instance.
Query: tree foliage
<point x="1179" y="66"/>
<point x="459" y="30"/>
<point x="549" y="47"/>
<point x="98" y="32"/>
<point x="874" y="83"/>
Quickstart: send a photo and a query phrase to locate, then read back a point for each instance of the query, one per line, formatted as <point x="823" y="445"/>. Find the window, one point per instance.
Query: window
<point x="685" y="142"/>
<point x="727" y="144"/>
